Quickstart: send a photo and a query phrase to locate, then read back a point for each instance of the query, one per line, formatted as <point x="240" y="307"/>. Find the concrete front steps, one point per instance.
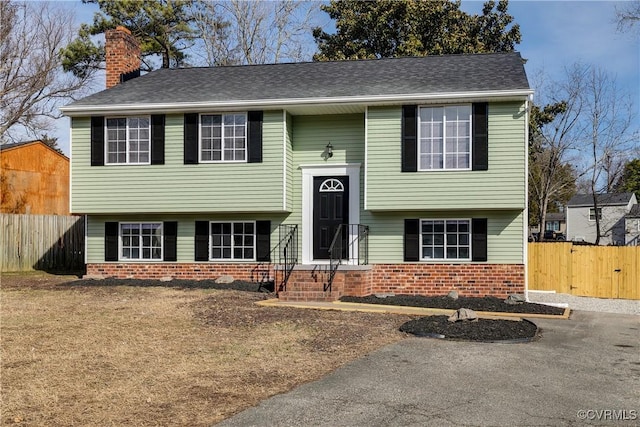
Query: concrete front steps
<point x="307" y="283"/>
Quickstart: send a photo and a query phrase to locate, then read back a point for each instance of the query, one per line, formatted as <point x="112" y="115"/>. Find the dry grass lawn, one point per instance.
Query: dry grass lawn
<point x="98" y="355"/>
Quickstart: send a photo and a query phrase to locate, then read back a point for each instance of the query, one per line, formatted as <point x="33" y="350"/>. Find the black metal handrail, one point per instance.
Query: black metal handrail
<point x="288" y="256"/>
<point x="351" y="243"/>
<point x="287" y="249"/>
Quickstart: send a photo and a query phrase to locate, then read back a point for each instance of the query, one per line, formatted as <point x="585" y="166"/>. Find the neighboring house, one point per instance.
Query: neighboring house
<point x="35" y="179"/>
<point x="556" y="222"/>
<point x="611" y="209"/>
<point x="632" y="226"/>
<point x="202" y="172"/>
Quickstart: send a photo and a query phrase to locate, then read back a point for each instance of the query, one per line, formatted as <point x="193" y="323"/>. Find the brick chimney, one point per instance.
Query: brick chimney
<point x="122" y="56"/>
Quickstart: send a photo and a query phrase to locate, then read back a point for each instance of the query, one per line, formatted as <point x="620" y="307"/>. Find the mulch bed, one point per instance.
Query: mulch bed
<point x="492" y="304"/>
<point x="486" y="330"/>
<point x="480" y="330"/>
<point x="237" y="285"/>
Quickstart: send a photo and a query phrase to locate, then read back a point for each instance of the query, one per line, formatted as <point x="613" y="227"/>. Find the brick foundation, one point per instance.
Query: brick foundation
<point x="175" y="271"/>
<point x="306" y="282"/>
<point x="498" y="280"/>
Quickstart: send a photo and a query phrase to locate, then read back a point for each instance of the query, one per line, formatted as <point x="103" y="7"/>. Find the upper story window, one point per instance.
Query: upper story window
<point x="592" y="214"/>
<point x="223" y="137"/>
<point x="128" y="140"/>
<point x="444" y="138"/>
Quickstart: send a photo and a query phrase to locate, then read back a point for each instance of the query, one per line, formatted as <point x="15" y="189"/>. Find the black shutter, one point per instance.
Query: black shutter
<point x="409" y="138"/>
<point x="479" y="239"/>
<point x="157" y="139"/>
<point x="263" y="240"/>
<point x="97" y="141"/>
<point x="170" y="237"/>
<point x="202" y="241"/>
<point x="254" y="137"/>
<point x="191" y="139"/>
<point x="480" y="141"/>
<point x="111" y="241"/>
<point x="412" y="240"/>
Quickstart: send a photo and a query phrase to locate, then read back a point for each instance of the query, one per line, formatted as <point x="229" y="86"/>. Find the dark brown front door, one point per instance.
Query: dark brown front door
<point x="330" y="210"/>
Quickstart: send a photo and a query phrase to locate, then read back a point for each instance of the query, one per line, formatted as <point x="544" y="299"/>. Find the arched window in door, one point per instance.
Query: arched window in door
<point x="331" y="185"/>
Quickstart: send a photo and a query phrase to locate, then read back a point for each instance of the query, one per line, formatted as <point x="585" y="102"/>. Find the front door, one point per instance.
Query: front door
<point x="330" y="210"/>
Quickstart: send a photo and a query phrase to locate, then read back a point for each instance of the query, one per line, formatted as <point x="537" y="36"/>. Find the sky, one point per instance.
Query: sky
<point x="555" y="35"/>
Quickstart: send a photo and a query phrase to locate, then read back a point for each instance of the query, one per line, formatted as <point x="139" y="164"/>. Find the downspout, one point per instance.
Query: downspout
<point x="525" y="246"/>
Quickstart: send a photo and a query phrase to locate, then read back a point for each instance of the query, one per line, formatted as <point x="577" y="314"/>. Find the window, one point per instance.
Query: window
<point x="233" y="241"/>
<point x="141" y="241"/>
<point x="553" y="226"/>
<point x="445" y="239"/>
<point x="592" y="214"/>
<point x="223" y="137"/>
<point x="128" y="140"/>
<point x="444" y="135"/>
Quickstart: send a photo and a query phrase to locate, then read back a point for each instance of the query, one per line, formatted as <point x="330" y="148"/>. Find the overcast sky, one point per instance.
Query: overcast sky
<point x="555" y="35"/>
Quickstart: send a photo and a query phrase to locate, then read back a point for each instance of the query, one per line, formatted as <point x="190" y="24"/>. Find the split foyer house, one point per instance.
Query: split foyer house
<point x="402" y="175"/>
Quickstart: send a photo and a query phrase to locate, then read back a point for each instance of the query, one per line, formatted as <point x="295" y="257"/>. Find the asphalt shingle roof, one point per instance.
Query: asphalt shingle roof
<point x="394" y="76"/>
<point x="609" y="199"/>
<point x="556" y="216"/>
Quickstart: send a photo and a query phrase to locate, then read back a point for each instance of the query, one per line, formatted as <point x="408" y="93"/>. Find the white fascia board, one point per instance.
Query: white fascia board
<point x="186" y="107"/>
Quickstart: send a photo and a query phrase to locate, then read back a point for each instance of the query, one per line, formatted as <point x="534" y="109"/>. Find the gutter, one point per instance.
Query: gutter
<point x="291" y="103"/>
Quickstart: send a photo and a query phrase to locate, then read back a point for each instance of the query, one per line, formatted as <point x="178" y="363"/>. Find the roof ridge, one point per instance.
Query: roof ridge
<point x="339" y="61"/>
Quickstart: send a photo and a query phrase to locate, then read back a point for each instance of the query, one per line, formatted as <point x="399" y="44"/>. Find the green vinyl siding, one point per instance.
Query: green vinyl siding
<point x="186" y="231"/>
<point x="505" y="232"/>
<point x="500" y="187"/>
<point x="174" y="186"/>
<point x="310" y="136"/>
<point x="505" y="238"/>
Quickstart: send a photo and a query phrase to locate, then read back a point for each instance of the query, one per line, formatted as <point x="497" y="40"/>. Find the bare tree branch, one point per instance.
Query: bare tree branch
<point x="254" y="32"/>
<point x="32" y="83"/>
<point x="628" y="16"/>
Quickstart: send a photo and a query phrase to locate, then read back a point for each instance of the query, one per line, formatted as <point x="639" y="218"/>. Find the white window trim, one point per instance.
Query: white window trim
<point x="120" y="246"/>
<point x="423" y="259"/>
<point x="594" y="214"/>
<point x="246" y="137"/>
<point x="106" y="141"/>
<point x="233" y="259"/>
<point x="444" y="142"/>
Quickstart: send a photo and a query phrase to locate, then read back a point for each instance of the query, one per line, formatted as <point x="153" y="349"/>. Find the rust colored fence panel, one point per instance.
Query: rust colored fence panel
<point x="594" y="271"/>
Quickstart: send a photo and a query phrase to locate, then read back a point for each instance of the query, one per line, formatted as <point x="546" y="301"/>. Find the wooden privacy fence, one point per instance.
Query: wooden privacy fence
<point x="593" y="271"/>
<point x="41" y="242"/>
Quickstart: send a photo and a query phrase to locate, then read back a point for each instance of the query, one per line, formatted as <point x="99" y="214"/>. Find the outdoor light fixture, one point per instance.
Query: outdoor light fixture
<point x="329" y="150"/>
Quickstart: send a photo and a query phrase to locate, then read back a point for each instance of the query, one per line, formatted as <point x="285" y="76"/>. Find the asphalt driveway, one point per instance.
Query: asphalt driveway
<point x="585" y="370"/>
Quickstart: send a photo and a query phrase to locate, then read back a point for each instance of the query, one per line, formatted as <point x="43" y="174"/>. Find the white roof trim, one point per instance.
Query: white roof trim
<point x="173" y="107"/>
